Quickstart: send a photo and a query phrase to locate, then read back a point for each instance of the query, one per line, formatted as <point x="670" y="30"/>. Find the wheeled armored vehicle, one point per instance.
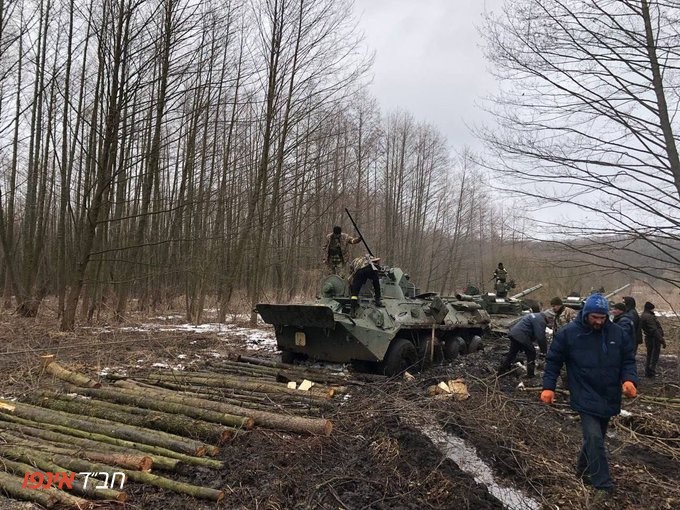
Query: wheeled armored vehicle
<point x="408" y="331"/>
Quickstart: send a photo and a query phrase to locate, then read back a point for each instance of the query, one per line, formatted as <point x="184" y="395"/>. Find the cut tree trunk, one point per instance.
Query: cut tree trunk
<point x="267" y="419"/>
<point x="173" y="423"/>
<point x="11" y="485"/>
<point x="48" y="437"/>
<point x="62" y="373"/>
<point x="110" y="428"/>
<point x="142" y="400"/>
<point x="45" y="463"/>
<point x="102" y="438"/>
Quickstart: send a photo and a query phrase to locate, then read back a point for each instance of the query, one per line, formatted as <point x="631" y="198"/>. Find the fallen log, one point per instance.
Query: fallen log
<point x="44" y="463"/>
<point x="106" y="427"/>
<point x="103" y="438"/>
<point x="240" y="383"/>
<point x="137" y="462"/>
<point x="28" y="432"/>
<point x="144" y="400"/>
<point x="297" y="424"/>
<point x="292" y="406"/>
<point x="62" y="373"/>
<point x="12" y="486"/>
<point x="321" y="376"/>
<point x="80" y="465"/>
<point x="173" y="423"/>
<point x="243" y="398"/>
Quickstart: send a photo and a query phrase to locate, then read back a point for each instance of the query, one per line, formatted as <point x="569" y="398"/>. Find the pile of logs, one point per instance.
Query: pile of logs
<point x="166" y="421"/>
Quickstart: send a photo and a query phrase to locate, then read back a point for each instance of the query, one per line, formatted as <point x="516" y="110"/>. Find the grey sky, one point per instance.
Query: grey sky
<point x="428" y="60"/>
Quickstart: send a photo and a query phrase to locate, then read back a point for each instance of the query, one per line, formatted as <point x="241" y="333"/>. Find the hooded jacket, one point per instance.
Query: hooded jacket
<point x="634" y="316"/>
<point x="598" y="362"/>
<point x="529" y="329"/>
<point x="625" y="322"/>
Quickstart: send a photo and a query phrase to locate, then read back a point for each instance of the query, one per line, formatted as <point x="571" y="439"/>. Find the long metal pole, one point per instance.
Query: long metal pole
<point x="359" y="232"/>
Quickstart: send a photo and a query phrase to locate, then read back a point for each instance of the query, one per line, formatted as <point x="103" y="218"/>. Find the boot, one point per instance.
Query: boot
<point x="531" y="369"/>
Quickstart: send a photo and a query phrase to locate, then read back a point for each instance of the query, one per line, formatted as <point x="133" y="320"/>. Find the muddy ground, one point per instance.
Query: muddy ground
<point x="378" y="455"/>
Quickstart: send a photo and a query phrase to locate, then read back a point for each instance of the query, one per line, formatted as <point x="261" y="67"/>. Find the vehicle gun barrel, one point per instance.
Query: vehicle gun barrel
<point x="607" y="296"/>
<point x="526" y="291"/>
<point x="465" y="297"/>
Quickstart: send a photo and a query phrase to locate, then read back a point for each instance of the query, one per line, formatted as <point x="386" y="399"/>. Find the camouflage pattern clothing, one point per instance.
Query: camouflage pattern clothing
<point x="563" y="317"/>
<point x="336" y="252"/>
<point x="500" y="274"/>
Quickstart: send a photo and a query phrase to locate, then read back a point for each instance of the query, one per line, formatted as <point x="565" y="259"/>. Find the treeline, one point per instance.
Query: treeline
<point x="167" y="148"/>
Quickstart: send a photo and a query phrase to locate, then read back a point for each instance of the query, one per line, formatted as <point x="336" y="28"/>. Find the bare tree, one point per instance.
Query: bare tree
<point x="586" y="121"/>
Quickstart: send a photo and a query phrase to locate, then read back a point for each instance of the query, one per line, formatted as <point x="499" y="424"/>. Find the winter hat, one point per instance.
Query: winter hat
<point x="629" y="301"/>
<point x="649" y="306"/>
<point x="555" y="302"/>
<point x="596" y="303"/>
<point x="620" y="306"/>
<point x="548" y="314"/>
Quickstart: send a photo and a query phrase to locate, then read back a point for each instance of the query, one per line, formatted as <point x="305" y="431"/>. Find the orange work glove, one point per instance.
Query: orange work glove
<point x="629" y="389"/>
<point x="548" y="396"/>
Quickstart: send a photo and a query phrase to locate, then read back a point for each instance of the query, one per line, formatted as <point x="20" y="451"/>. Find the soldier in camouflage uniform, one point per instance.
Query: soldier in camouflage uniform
<point x="563" y="314"/>
<point x="336" y="251"/>
<point x="500" y="274"/>
<point x="363" y="269"/>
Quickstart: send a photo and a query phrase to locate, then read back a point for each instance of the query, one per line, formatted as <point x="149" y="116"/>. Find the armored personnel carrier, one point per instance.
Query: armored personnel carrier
<point x="503" y="310"/>
<point x="408" y="331"/>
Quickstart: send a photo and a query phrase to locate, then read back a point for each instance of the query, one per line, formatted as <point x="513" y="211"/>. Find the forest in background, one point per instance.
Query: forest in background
<point x="176" y="149"/>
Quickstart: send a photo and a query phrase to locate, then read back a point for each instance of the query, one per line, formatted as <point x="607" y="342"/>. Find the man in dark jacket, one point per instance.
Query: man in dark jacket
<point x="529" y="329"/>
<point x="631" y="311"/>
<point x="654" y="338"/>
<point x="624" y="321"/>
<point x="600" y="362"/>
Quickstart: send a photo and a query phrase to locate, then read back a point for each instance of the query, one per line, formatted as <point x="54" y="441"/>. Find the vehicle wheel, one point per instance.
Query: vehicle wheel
<point x="475" y="344"/>
<point x="401" y="356"/>
<point x="453" y="347"/>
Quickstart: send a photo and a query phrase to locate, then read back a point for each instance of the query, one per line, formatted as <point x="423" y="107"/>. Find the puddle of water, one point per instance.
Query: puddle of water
<point x="465" y="456"/>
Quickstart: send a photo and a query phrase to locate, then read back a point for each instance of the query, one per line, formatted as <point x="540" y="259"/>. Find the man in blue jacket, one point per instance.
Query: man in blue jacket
<point x="600" y="360"/>
<point x="529" y="329"/>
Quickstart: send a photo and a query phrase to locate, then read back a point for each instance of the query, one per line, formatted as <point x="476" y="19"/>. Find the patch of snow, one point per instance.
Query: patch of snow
<point x="626" y="414"/>
<point x="669" y="314"/>
<point x="668" y="356"/>
<point x="182" y="356"/>
<point x="168" y="317"/>
<point x="465" y="456"/>
<point x="160" y="365"/>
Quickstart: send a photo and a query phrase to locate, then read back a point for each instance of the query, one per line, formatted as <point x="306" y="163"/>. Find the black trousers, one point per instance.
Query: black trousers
<point x="362" y="276"/>
<point x="515" y="348"/>
<point x="653" y="345"/>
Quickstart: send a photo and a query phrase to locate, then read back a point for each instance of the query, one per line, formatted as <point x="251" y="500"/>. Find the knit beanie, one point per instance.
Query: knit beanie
<point x="649" y="306"/>
<point x="596" y="303"/>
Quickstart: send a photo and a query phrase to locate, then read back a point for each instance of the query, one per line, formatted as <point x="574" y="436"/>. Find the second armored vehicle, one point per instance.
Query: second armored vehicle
<point x="504" y="311"/>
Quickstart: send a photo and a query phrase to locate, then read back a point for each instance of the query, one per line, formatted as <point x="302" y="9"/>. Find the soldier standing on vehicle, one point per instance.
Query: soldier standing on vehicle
<point x="336" y="251"/>
<point x="563" y="314"/>
<point x="363" y="269"/>
<point x="500" y="274"/>
<point x="654" y="338"/>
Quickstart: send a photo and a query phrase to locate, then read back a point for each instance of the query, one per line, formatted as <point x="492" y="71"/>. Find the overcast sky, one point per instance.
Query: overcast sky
<point x="428" y="60"/>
